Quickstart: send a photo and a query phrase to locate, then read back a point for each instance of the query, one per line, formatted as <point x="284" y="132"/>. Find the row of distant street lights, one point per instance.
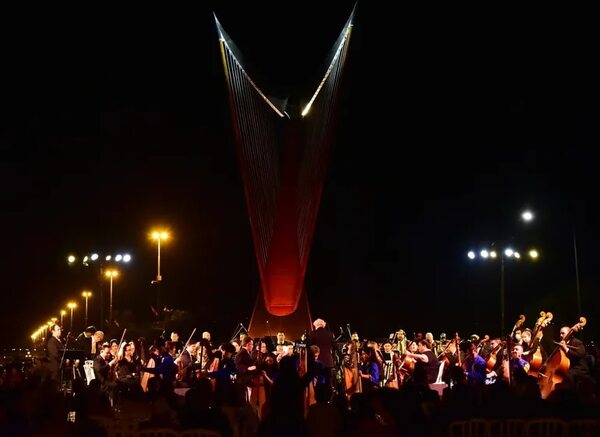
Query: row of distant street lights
<point x="109" y="274"/>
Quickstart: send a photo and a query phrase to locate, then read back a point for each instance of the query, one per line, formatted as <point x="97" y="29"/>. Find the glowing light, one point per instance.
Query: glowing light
<point x="527" y="216"/>
<point x="509" y="252"/>
<point x="108" y="258"/>
<point x="72" y="305"/>
<point x="493" y="254"/>
<point x="71" y="259"/>
<point x="471" y="254"/>
<point x="484" y="253"/>
<point x="94" y="256"/>
<point x="160" y="235"/>
<point x="86" y="294"/>
<point x="517" y="255"/>
<point x="111" y="273"/>
<point x="126" y="258"/>
<point x="533" y="254"/>
<point x="118" y="258"/>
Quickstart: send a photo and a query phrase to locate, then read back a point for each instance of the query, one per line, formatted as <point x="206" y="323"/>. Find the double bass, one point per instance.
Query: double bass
<point x="535" y="357"/>
<point x="557" y="365"/>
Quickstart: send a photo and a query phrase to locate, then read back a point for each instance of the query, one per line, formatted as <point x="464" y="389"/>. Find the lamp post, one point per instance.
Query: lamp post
<point x="111" y="274"/>
<point x="63" y="313"/>
<point x="506" y="253"/>
<point x="158" y="236"/>
<point x="86" y="294"/>
<point x="98" y="261"/>
<point x="71" y="306"/>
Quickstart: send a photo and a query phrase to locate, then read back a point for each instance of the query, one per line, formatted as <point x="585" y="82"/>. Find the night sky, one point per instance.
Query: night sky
<point x="449" y="127"/>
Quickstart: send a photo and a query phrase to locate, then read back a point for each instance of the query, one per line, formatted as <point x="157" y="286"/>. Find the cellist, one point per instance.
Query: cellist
<point x="575" y="351"/>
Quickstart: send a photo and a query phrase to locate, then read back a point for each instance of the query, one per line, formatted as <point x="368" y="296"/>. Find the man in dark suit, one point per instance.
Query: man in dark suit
<point x="101" y="364"/>
<point x="84" y="342"/>
<point x="325" y="340"/>
<point x="245" y="366"/>
<point x="55" y="349"/>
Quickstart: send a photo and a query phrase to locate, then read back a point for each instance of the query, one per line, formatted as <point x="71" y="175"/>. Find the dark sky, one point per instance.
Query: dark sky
<point x="450" y="126"/>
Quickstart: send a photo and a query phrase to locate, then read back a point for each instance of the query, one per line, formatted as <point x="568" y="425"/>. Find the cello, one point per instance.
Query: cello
<point x="557" y="365"/>
<point x="535" y="358"/>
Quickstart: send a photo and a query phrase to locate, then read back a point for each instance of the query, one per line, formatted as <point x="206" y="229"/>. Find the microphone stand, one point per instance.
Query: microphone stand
<point x="62" y="360"/>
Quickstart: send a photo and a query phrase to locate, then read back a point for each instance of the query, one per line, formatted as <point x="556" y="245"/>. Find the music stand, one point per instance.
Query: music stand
<point x="71" y="355"/>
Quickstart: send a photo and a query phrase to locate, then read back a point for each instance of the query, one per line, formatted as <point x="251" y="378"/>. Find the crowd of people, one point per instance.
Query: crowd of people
<point x="316" y="385"/>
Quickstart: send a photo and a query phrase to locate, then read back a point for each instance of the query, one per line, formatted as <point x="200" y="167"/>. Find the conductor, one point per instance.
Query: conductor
<point x="325" y="340"/>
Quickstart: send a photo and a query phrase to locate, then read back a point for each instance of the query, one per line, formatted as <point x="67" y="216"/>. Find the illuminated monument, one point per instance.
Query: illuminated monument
<point x="283" y="152"/>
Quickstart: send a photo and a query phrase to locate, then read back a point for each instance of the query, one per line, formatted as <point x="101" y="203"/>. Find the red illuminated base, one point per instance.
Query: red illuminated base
<point x="264" y="324"/>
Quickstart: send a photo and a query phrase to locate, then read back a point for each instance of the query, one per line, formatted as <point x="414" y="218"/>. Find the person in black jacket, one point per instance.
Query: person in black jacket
<point x="55" y="349"/>
<point x="325" y="340"/>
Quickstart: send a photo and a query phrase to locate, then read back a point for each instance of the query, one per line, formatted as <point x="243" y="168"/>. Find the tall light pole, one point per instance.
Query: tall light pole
<point x="158" y="236"/>
<point x="506" y="253"/>
<point x="111" y="274"/>
<point x="71" y="306"/>
<point x="63" y="313"/>
<point x="86" y="294"/>
<point x="98" y="261"/>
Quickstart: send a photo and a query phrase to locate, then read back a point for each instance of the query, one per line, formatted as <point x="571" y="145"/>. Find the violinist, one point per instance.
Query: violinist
<point x="114" y="347"/>
<point x="102" y="371"/>
<point x="184" y="362"/>
<point x="127" y="373"/>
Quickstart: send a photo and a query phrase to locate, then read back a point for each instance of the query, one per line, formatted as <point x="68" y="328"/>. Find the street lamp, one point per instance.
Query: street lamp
<point x="71" y="306"/>
<point x="111" y="274"/>
<point x="158" y="236"/>
<point x="63" y="313"/>
<point x="98" y="261"/>
<point x="507" y="253"/>
<point x="86" y="294"/>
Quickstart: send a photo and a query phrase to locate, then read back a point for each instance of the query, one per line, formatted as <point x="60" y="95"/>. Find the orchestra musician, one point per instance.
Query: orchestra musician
<point x="350" y="363"/>
<point x="426" y="365"/>
<point x="575" y="351"/>
<point x="184" y="362"/>
<point x="369" y="369"/>
<point x="401" y="342"/>
<point x="55" y="349"/>
<point x="474" y="365"/>
<point x="493" y="359"/>
<point x="518" y="366"/>
<point x="390" y="364"/>
<point x="245" y="365"/>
